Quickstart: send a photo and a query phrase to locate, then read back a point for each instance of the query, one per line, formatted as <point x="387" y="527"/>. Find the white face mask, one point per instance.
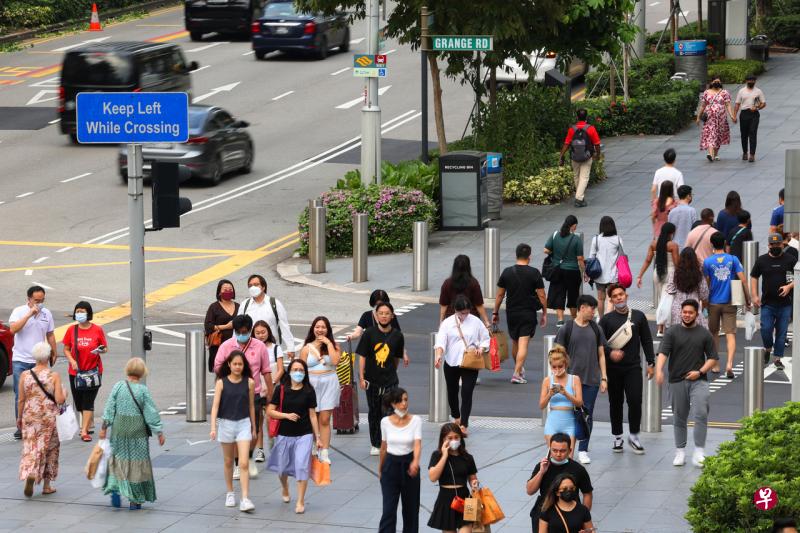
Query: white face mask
<point x="254" y="291"/>
<point x="454" y="444"/>
<point x="401" y="413"/>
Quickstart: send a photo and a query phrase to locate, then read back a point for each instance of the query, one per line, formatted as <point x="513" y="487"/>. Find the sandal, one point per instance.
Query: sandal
<point x="48" y="490"/>
<point x="299" y="508"/>
<point x="86" y="437"/>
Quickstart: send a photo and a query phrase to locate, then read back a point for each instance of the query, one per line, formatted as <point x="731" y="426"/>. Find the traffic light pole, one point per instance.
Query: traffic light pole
<point x="136" y="232"/>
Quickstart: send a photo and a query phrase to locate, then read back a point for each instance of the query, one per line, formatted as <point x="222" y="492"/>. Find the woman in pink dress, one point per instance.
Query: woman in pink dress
<point x="661" y="206"/>
<point x="716" y="131"/>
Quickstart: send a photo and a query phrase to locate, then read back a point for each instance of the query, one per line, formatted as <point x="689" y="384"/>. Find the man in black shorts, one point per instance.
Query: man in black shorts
<point x="525" y="289"/>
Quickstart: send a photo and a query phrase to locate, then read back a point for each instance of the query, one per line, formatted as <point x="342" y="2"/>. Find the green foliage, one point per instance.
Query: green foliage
<point x="735" y="70"/>
<point x="785" y="7"/>
<point x="25" y="15"/>
<point x="764" y="453"/>
<point x="412" y="174"/>
<point x="21" y="14"/>
<point x="549" y="185"/>
<point x="687" y="32"/>
<point x="784" y="29"/>
<point x="392" y="212"/>
<point x="649" y="75"/>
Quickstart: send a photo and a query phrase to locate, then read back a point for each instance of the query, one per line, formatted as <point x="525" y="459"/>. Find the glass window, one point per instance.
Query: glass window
<point x="280" y="9"/>
<point x="98" y="68"/>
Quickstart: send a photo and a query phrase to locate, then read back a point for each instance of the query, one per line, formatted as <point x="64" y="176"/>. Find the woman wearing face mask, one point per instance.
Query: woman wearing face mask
<point x="321" y="354"/>
<point x="262" y="332"/>
<point x="219" y="318"/>
<point x="561" y="511"/>
<point x="398" y="466"/>
<point x="294" y="405"/>
<point x="456" y="473"/>
<point x="714" y="104"/>
<point x="83" y="344"/>
<point x="562" y="393"/>
<point x="368" y="319"/>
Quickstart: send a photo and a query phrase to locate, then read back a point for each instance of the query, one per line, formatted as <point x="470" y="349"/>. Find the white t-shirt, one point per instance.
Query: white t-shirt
<point x="263" y="311"/>
<point x="400" y="441"/>
<point x="668" y="173"/>
<point x="35" y="330"/>
<point x="449" y="340"/>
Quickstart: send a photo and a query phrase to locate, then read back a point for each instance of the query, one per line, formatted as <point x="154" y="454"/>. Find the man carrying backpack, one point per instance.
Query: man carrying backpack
<point x="583" y="142"/>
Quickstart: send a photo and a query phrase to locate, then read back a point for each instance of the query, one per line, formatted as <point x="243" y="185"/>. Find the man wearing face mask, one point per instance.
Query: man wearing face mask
<point x="776" y="269"/>
<point x="690" y="350"/>
<point x="548" y="469"/>
<point x="31" y="324"/>
<point x="261" y="306"/>
<point x="627" y="331"/>
<point x="751" y="101"/>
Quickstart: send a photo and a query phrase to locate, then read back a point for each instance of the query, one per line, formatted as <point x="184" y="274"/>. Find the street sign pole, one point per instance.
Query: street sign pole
<point x="136" y="231"/>
<point x="371" y="112"/>
<point x="423" y="54"/>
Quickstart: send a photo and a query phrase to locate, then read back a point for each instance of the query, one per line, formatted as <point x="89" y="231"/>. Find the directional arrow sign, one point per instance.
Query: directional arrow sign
<point x="224" y="88"/>
<point x="42" y="96"/>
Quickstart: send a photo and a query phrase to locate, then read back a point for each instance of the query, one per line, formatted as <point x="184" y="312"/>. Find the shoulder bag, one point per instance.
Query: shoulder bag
<point x="555" y="274"/>
<point x="561" y="516"/>
<point x="277" y="321"/>
<point x="45" y="391"/>
<point x="624" y="275"/>
<point x="141" y="411"/>
<point x="457" y="504"/>
<point x="471" y="359"/>
<point x="582" y="417"/>
<point x="275" y="423"/>
<point x="593" y="267"/>
<point x="547" y="265"/>
<point x="84" y="379"/>
<point x="704" y="116"/>
<point x="623" y="335"/>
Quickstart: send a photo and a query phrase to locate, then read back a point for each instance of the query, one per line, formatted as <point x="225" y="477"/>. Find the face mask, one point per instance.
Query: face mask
<point x="621" y="306"/>
<point x="775" y="252"/>
<point x="401" y="413"/>
<point x="254" y="291"/>
<point x="454" y="444"/>
<point x="226" y="295"/>
<point x="81" y="317"/>
<point x="569" y="495"/>
<point x="242" y="337"/>
<point x="557" y="462"/>
<point x="297" y="376"/>
<point x="750" y="85"/>
<point x="716" y="85"/>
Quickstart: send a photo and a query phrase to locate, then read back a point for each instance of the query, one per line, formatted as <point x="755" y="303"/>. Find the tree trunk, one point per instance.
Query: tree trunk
<point x="612" y="81"/>
<point x="493" y="86"/>
<point x="436" y="84"/>
<point x="700" y="15"/>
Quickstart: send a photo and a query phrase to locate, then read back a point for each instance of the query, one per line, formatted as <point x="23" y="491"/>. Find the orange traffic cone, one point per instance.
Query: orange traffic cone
<point x="94" y="22"/>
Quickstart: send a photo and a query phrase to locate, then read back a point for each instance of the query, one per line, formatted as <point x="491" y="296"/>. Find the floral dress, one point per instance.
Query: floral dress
<point x="701" y="295"/>
<point x="40" y="444"/>
<point x="716" y="130"/>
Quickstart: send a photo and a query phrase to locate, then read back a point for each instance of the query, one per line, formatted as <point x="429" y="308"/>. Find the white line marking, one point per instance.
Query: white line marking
<point x="287" y="93"/>
<point x="227" y="88"/>
<point x="190" y="443"/>
<point x="42" y="96"/>
<point x="206" y="47"/>
<point x="189" y="314"/>
<point x="64" y="249"/>
<point x="654" y="4"/>
<point x="76" y="177"/>
<point x="23" y="195"/>
<point x="49" y="82"/>
<point x="777" y="382"/>
<point x="97" y="299"/>
<point x="393" y="50"/>
<point x="42" y="285"/>
<point x="345" y="69"/>
<point x="29" y="272"/>
<point x="167" y="412"/>
<point x="1" y="203"/>
<point x="356" y="41"/>
<point x="201" y="68"/>
<point x="56" y="121"/>
<point x="355" y="102"/>
<point x="251" y="52"/>
<point x="41" y="259"/>
<point x="65" y="48"/>
<point x="664" y="21"/>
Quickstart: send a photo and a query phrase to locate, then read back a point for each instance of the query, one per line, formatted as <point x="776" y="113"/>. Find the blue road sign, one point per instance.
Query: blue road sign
<point x="132" y="117"/>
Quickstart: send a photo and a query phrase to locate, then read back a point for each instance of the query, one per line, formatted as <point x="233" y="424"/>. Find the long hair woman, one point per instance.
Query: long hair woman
<point x="665" y="252"/>
<point x="661" y="206"/>
<point x="728" y="218"/>
<point x="455" y="471"/>
<point x="563" y="393"/>
<point x="567" y="250"/>
<point x="687" y="282"/>
<point x="219" y="317"/>
<point x="606" y="247"/>
<point x="561" y="506"/>
<point x="461" y="282"/>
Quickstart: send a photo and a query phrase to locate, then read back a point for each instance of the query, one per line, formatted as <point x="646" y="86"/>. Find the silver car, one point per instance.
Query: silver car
<point x="541" y="61"/>
<point x="217" y="144"/>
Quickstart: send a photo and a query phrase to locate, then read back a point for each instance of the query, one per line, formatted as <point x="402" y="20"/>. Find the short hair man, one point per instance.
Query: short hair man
<point x="776" y="219"/>
<point x="583" y="142"/>
<point x="784" y="525"/>
<point x="690" y="350"/>
<point x="683" y="215"/>
<point x="734" y="242"/>
<point x="700" y="237"/>
<point x="524" y="286"/>
<point x="667" y="172"/>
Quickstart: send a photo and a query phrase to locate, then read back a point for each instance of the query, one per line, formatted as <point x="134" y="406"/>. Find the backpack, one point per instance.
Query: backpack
<point x="568" y="333"/>
<point x="581" y="148"/>
<point x="274" y="312"/>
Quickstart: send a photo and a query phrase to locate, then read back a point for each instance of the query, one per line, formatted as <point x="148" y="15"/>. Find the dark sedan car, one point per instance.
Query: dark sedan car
<point x="221" y="16"/>
<point x="6" y="345"/>
<point x="217" y="144"/>
<point x="282" y="27"/>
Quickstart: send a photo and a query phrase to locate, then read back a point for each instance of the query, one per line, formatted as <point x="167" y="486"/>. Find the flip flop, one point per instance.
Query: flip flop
<point x="86" y="438"/>
<point x="51" y="490"/>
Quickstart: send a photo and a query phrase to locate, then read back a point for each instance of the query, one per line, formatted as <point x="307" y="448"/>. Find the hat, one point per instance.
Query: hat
<point x="775" y="238"/>
<point x="750" y="77"/>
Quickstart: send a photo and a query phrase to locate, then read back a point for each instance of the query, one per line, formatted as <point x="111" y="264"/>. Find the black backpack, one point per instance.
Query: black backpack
<point x="581" y="148"/>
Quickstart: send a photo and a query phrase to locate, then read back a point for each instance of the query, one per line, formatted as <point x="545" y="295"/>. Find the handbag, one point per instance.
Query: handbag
<point x="84" y="379"/>
<point x="582" y="418"/>
<point x="555" y="268"/>
<point x="275" y="423"/>
<point x="492" y="512"/>
<point x="66" y="424"/>
<point x="624" y="275"/>
<point x="457" y="504"/>
<point x="594" y="269"/>
<point x="737" y="292"/>
<point x="664" y="310"/>
<point x="141" y="411"/>
<point x="471" y="359"/>
<point x="320" y="472"/>
<point x="472" y="509"/>
<point x="704" y="116"/>
<point x="623" y="335"/>
<point x="214" y="338"/>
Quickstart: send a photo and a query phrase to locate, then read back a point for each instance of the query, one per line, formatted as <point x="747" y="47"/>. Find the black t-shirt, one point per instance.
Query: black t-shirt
<point x="776" y="272"/>
<point x="791" y="251"/>
<point x="736" y="239"/>
<point x="298" y="402"/>
<point x="521" y="283"/>
<point x="577" y="470"/>
<point x="463" y="467"/>
<point x="574" y="518"/>
<point x="367" y="320"/>
<point x="380" y="351"/>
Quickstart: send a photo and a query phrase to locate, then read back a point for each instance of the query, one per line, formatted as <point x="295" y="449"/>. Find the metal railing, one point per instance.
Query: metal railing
<point x="651" y="412"/>
<point x="753" y="380"/>
<point x="491" y="261"/>
<point x="316" y="238"/>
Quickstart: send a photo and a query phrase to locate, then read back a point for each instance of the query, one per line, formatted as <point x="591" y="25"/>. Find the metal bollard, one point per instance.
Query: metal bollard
<point x="316" y="243"/>
<point x="651" y="415"/>
<point x="420" y="262"/>
<point x="753" y="380"/>
<point x="360" y="247"/>
<point x="549" y="341"/>
<point x="749" y="255"/>
<point x="491" y="261"/>
<point x="196" y="367"/>
<point x="437" y="389"/>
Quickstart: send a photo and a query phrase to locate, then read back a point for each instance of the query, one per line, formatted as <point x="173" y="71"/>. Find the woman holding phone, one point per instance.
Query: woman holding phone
<point x="562" y="393"/>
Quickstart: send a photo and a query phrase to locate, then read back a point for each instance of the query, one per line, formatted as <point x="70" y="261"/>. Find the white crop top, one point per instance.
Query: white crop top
<point x="400" y="440"/>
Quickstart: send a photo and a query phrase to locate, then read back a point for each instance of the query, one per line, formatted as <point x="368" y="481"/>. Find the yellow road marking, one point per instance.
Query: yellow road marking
<point x="45" y="72"/>
<point x="111" y="263"/>
<point x="121" y="247"/>
<point x="16" y="71"/>
<point x="176" y="35"/>
<point x="10" y="82"/>
<point x="188" y="284"/>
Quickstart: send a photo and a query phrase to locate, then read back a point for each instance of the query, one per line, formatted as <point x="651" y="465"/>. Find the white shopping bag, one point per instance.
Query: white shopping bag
<point x="100" y="475"/>
<point x="66" y="424"/>
<point x="664" y="311"/>
<point x="750" y="325"/>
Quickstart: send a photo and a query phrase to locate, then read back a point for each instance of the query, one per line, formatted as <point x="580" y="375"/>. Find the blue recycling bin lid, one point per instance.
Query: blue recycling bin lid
<point x="494" y="160"/>
<point x="695" y="47"/>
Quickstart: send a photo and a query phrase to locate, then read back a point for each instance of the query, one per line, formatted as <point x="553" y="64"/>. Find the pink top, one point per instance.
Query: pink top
<point x="660" y="216"/>
<point x="257" y="358"/>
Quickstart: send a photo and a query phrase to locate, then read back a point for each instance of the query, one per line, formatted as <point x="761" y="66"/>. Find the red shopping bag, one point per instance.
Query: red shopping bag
<point x="494" y="354"/>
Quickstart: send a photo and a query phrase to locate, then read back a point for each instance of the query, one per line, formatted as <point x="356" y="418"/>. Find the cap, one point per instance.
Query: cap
<point x="775" y="238"/>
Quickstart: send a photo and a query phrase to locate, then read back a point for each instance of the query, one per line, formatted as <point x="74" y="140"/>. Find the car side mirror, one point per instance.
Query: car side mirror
<point x="241" y="124"/>
<point x="192" y="66"/>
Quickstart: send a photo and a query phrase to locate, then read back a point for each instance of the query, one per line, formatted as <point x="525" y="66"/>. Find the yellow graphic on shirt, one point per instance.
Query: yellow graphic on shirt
<point x="381" y="354"/>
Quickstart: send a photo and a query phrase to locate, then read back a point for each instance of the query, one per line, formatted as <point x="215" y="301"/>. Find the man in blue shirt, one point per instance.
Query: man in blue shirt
<point x="721" y="270"/>
<point x="776" y="220"/>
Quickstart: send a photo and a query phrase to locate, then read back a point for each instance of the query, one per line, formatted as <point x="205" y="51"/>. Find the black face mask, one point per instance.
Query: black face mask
<point x="750" y="85"/>
<point x="775" y="251"/>
<point x="716" y="85"/>
<point x="569" y="495"/>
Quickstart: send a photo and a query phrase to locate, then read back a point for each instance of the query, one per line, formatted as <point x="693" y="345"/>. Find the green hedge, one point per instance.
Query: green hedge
<point x="648" y="75"/>
<point x="785" y="7"/>
<point x="20" y="14"/>
<point x="392" y="212"/>
<point x="550" y="185"/>
<point x="784" y="30"/>
<point x="735" y="70"/>
<point x="765" y="452"/>
<point x="413" y="174"/>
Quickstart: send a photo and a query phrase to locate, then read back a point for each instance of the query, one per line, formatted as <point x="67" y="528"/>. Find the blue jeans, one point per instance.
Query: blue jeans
<point x="589" y="397"/>
<point x="19" y="368"/>
<point x="775" y="319"/>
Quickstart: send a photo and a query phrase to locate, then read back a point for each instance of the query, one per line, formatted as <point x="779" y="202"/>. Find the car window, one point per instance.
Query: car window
<point x="97" y="68"/>
<point x="280" y="9"/>
<point x="178" y="63"/>
<point x="196" y="119"/>
<point x="223" y="119"/>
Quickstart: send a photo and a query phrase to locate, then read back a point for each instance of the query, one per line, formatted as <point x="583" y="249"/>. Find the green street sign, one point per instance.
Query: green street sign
<point x="462" y="43"/>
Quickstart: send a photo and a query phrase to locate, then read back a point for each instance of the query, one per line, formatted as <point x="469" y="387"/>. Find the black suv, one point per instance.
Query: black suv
<point x="221" y="16"/>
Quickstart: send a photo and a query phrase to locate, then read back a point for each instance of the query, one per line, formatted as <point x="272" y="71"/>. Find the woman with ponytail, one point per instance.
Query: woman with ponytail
<point x="665" y="251"/>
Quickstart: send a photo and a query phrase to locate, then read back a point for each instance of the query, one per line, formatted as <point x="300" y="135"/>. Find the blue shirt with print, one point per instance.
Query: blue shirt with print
<point x="721" y="270"/>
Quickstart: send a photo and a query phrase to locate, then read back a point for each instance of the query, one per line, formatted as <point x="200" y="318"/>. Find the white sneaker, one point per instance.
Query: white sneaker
<point x="698" y="457"/>
<point x="323" y="456"/>
<point x="230" y="499"/>
<point x="259" y="456"/>
<point x="252" y="469"/>
<point x="246" y="505"/>
<point x="374" y="451"/>
<point x="636" y="446"/>
<point x="584" y="458"/>
<point x="236" y="474"/>
<point x="680" y="457"/>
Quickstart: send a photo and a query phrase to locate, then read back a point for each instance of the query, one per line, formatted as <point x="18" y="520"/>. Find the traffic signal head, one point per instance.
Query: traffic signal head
<point x="168" y="206"/>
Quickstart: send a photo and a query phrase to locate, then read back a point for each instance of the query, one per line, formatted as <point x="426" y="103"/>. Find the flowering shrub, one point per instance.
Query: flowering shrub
<point x="392" y="212"/>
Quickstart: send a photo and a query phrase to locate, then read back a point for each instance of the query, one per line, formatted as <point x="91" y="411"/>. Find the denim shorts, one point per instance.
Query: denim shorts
<point x="233" y="430"/>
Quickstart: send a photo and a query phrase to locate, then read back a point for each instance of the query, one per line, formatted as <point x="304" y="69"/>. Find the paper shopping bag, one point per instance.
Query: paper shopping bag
<point x="472" y="510"/>
<point x="502" y="343"/>
<point x="491" y="512"/>
<point x="320" y="472"/>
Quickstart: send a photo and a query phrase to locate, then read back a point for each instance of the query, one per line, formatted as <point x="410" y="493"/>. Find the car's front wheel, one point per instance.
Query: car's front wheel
<point x="260" y="54"/>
